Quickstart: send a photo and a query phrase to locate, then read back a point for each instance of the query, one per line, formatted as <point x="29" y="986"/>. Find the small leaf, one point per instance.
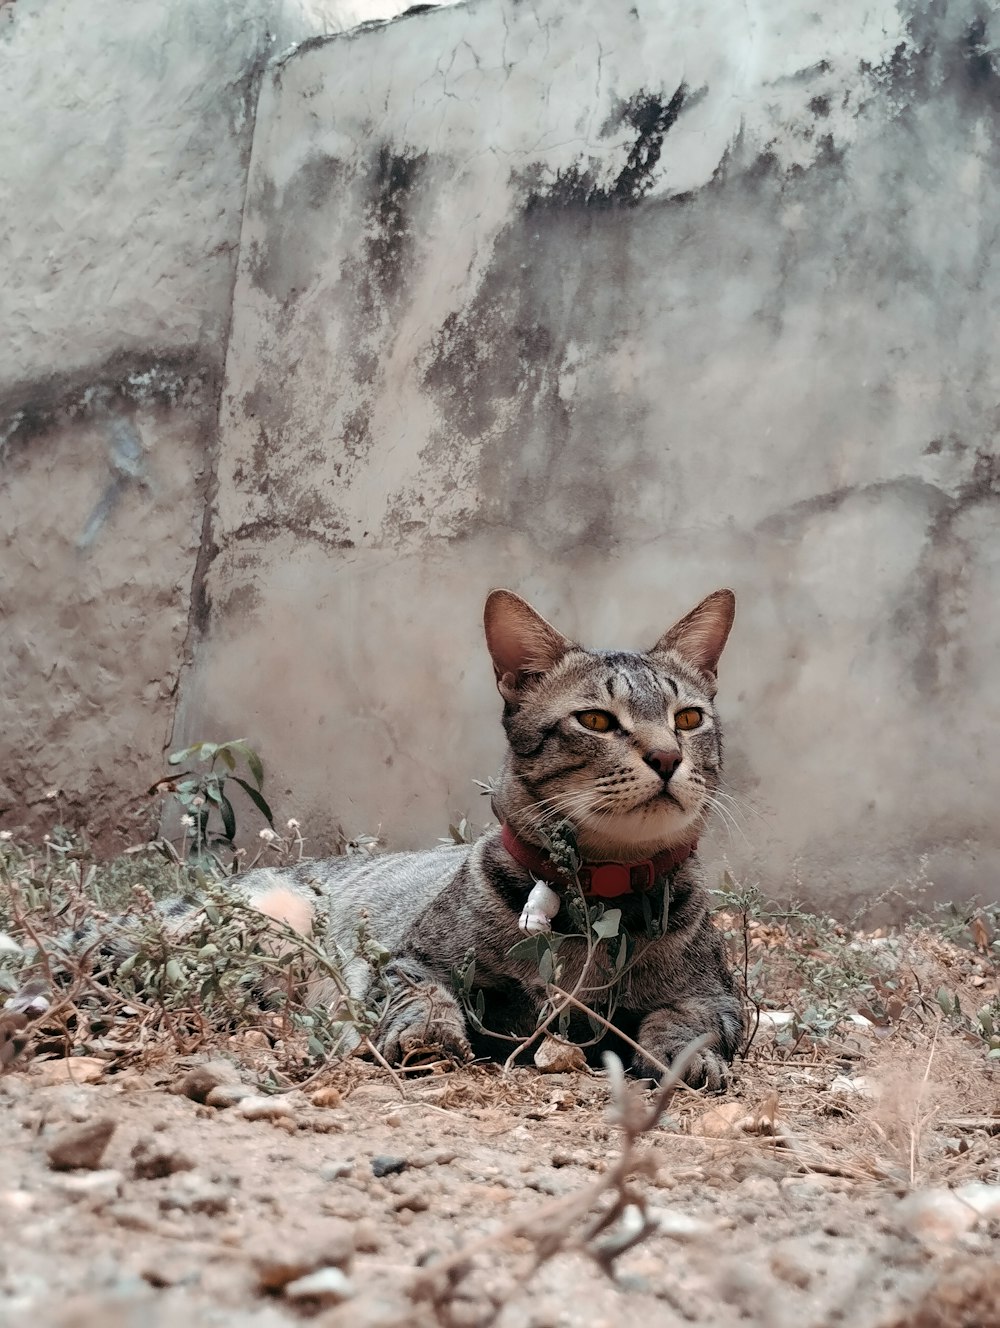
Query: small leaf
<point x="533" y="947"/>
<point x="546" y="966"/>
<point x="994" y="1054"/>
<point x="228" y="817"/>
<point x="608" y="926"/>
<point x="174" y="972"/>
<point x="944" y="999"/>
<point x="257" y="799"/>
<point x="228" y="757"/>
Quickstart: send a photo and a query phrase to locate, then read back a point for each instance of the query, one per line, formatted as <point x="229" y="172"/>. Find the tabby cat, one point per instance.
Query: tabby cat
<point x="622" y="748"/>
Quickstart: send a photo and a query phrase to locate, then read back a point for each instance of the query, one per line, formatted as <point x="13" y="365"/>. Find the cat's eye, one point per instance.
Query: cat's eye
<point x="598" y="721"/>
<point x="688" y="719"/>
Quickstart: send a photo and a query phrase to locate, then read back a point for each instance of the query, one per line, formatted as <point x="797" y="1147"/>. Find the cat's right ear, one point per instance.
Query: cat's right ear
<point x="521" y="643"/>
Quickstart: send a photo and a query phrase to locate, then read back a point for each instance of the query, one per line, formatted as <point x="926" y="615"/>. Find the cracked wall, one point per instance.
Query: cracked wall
<point x="614" y="304"/>
<point x="125" y="142"/>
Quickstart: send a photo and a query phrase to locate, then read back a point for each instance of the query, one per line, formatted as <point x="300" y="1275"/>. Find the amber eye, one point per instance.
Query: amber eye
<point x="688" y="719"/>
<point x="599" y="721"/>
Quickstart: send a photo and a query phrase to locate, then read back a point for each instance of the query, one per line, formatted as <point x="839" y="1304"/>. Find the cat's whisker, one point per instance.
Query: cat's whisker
<point x="728" y="820"/>
<point x="742" y="804"/>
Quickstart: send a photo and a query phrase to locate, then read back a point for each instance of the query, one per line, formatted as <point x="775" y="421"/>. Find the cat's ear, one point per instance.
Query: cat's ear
<point x="700" y="636"/>
<point x="521" y="643"/>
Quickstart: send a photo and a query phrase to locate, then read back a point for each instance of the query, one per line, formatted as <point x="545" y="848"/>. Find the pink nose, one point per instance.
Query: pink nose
<point x="663" y="762"/>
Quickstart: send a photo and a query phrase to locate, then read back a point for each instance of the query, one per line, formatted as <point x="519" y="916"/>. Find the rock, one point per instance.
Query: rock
<point x="759" y="1187"/>
<point x="437" y="1157"/>
<point x="194" y="1193"/>
<point x="984" y="1199"/>
<point x="681" y="1226"/>
<point x="152" y="1159"/>
<point x="556" y="1056"/>
<point x="103" y="1186"/>
<point x="367" y="1236"/>
<point x="771" y="1020"/>
<point x="335" y="1170"/>
<point x="168" y="1269"/>
<point x="327" y="1286"/>
<point x="200" y="1081"/>
<point x="718" y="1122"/>
<point x="853" y="1086"/>
<point x="71" y="1069"/>
<point x="264" y="1108"/>
<point x="329" y="1244"/>
<point x="223" y="1096"/>
<point x="327" y="1097"/>
<point x="16" y="1202"/>
<point x="81" y="1147"/>
<point x="938" y="1217"/>
<point x="791" y="1269"/>
<point x="388" y="1166"/>
<point x="414" y="1201"/>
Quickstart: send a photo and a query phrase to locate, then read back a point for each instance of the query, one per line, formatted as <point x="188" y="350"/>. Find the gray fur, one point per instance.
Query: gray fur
<point x="430" y="908"/>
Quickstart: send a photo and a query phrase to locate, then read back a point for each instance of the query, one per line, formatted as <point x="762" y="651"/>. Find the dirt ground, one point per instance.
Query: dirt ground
<point x="200" y="1215"/>
<point x="158" y="1168"/>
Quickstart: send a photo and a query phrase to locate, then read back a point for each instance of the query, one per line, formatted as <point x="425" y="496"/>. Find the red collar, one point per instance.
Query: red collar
<point x="600" y="880"/>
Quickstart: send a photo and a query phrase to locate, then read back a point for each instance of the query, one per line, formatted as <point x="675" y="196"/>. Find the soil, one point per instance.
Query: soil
<point x="788" y="1202"/>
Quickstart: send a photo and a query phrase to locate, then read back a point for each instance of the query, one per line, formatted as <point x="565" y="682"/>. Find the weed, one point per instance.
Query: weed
<point x="208" y="818"/>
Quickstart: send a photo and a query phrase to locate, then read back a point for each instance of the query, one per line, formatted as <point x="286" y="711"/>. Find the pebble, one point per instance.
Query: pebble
<point x="199" y="1081"/>
<point x="718" y="1122"/>
<point x="788" y="1268"/>
<point x="327" y="1286"/>
<point x="101" y="1185"/>
<point x="941" y="1216"/>
<point x="81" y="1147"/>
<point x="681" y="1226"/>
<point x="194" y="1193"/>
<point x="759" y="1187"/>
<point x="367" y="1237"/>
<point x="388" y="1166"/>
<point x="152" y="1159"/>
<point x="334" y="1170"/>
<point x="71" y="1069"/>
<point x="329" y="1244"/>
<point x="327" y="1097"/>
<point x="264" y="1108"/>
<point x="223" y="1096"/>
<point x="556" y="1056"/>
<point x="847" y="1086"/>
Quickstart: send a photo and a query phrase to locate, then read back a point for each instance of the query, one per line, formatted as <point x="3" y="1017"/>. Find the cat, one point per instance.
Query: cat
<point x="624" y="750"/>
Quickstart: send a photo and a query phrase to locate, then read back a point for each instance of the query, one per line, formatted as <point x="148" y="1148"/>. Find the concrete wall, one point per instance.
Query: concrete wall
<point x="614" y="304"/>
<point x="124" y="144"/>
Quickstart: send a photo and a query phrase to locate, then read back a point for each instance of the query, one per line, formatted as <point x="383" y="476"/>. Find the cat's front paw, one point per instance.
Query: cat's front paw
<point x="705" y="1069"/>
<point x="421" y="1018"/>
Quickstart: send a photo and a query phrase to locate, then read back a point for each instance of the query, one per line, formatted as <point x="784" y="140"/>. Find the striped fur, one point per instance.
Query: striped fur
<point x="642" y="784"/>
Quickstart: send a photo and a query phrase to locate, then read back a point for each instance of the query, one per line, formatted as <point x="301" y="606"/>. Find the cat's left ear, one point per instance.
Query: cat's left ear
<point x="521" y="643"/>
<point x="699" y="637"/>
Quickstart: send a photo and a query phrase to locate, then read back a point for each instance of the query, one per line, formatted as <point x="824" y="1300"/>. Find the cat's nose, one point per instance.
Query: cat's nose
<point x="663" y="762"/>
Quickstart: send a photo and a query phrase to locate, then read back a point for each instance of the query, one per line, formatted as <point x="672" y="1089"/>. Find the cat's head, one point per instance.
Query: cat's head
<point x="624" y="744"/>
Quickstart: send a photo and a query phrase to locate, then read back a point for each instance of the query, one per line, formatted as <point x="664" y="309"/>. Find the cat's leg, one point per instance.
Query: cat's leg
<point x="420" y="1012"/>
<point x="666" y="1031"/>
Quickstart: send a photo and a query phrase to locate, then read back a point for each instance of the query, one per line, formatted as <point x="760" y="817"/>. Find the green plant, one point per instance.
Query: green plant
<point x="984" y="1026"/>
<point x="208" y="817"/>
<point x="119" y="985"/>
<point x="603" y="968"/>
